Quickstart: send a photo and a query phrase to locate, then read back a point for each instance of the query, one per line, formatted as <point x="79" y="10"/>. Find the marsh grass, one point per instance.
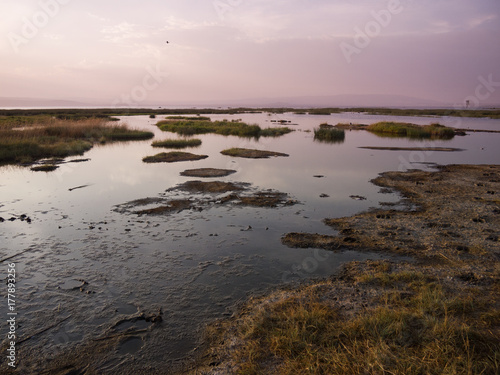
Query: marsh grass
<point x="189" y="118"/>
<point x="329" y="134"/>
<point x="200" y="126"/>
<point x="398" y="129"/>
<point x="419" y="328"/>
<point x="25" y="140"/>
<point x="177" y="143"/>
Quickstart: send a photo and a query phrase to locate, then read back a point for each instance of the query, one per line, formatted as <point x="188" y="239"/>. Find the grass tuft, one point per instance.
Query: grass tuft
<point x="329" y="134"/>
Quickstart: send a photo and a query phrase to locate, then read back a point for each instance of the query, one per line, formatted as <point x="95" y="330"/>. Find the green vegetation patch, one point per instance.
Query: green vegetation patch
<point x="398" y="129"/>
<point x="24" y="139"/>
<point x="189" y="118"/>
<point x="171" y="157"/>
<point x="177" y="143"/>
<point x="236" y="128"/>
<point x="329" y="134"/>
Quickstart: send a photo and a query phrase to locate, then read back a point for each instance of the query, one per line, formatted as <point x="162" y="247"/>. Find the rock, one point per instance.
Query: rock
<point x="323" y="195"/>
<point x="357" y="197"/>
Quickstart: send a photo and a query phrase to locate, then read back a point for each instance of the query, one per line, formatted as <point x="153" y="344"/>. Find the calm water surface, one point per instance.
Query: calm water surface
<point x="193" y="265"/>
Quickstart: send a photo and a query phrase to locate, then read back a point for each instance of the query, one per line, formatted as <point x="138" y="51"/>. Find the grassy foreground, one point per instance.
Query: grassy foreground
<point x="236" y="128"/>
<point x="411" y="323"/>
<point x="25" y="139"/>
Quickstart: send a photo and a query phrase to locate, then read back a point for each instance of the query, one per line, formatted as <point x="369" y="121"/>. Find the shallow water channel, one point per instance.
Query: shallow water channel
<point x="86" y="265"/>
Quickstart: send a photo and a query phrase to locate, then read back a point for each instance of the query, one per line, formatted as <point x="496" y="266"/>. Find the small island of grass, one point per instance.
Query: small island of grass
<point x="195" y="125"/>
<point x="44" y="168"/>
<point x="328" y="134"/>
<point x="177" y="143"/>
<point x="399" y="129"/>
<point x="207" y="172"/>
<point x="172" y="157"/>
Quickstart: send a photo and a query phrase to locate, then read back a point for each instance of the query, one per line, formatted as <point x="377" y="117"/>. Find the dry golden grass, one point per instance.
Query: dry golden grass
<point x="415" y="325"/>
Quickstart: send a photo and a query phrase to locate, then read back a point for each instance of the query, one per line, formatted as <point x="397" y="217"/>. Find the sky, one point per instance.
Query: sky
<point x="116" y="53"/>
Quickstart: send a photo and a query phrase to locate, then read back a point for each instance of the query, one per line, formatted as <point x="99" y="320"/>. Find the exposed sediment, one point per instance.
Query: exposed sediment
<point x="455" y="215"/>
<point x="451" y="227"/>
<point x="207" y="172"/>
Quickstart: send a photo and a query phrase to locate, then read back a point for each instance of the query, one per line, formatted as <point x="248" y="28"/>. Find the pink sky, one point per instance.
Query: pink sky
<point x="111" y="53"/>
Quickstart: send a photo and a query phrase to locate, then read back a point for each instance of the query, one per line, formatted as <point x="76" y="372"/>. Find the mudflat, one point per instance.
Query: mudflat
<point x="436" y="312"/>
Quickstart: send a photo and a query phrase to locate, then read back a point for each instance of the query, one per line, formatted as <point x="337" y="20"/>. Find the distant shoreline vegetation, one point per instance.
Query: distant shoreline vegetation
<point x="237" y="128"/>
<point x="24" y="140"/>
<point x="493" y="113"/>
<point x="399" y="129"/>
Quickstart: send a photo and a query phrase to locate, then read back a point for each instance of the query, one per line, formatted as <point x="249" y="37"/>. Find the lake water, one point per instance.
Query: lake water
<point x="193" y="265"/>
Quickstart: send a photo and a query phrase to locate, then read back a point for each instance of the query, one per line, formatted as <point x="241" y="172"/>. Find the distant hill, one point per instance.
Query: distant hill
<point x="345" y="101"/>
<point x="39" y="103"/>
<point x="341" y="101"/>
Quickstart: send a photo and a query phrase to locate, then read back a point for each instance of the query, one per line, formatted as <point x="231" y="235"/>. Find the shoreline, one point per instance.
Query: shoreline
<point x="450" y="227"/>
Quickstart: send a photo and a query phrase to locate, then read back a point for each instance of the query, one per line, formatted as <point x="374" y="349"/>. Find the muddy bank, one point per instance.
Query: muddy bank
<point x="202" y="195"/>
<point x="453" y="215"/>
<point x="207" y="172"/>
<point x="251" y="154"/>
<point x="172" y="157"/>
<point x="451" y="227"/>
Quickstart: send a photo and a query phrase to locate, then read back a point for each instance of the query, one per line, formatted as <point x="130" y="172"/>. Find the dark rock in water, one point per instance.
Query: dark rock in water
<point x="2" y="219"/>
<point x="318" y="176"/>
<point x="12" y="219"/>
<point x="28" y="220"/>
<point x="357" y="197"/>
<point x="324" y="195"/>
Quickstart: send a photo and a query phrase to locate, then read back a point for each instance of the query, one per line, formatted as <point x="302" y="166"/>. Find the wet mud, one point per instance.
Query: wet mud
<point x="172" y="157"/>
<point x="207" y="172"/>
<point x="451" y="227"/>
<point x="251" y="154"/>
